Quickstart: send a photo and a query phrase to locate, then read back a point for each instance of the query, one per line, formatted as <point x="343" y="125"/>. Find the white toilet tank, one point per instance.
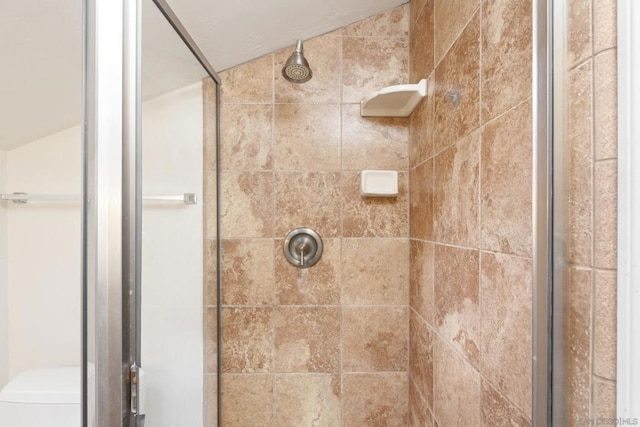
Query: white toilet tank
<point x="44" y="398"/>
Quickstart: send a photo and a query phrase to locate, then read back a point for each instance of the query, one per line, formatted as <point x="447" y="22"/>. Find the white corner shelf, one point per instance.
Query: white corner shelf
<point x="394" y="101"/>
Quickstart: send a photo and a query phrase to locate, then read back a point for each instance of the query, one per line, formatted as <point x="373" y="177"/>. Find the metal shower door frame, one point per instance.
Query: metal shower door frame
<point x="102" y="127"/>
<point x="542" y="99"/>
<point x="112" y="202"/>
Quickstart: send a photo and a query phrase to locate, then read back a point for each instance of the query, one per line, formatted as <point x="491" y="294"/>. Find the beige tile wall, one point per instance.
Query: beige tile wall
<point x="333" y="344"/>
<point x="328" y="345"/>
<point x="470" y="214"/>
<point x="592" y="204"/>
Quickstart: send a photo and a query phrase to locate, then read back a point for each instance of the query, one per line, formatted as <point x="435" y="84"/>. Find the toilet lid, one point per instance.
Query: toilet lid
<point x="56" y="385"/>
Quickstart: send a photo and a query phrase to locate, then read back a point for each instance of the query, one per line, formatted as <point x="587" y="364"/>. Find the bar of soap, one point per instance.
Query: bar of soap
<point x="379" y="183"/>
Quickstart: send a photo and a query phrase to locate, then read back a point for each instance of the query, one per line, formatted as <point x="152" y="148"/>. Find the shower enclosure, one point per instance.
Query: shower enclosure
<point x="120" y="197"/>
<point x="102" y="218"/>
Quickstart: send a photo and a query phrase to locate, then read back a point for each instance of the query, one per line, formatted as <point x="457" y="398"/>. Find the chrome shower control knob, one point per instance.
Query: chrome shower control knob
<point x="302" y="247"/>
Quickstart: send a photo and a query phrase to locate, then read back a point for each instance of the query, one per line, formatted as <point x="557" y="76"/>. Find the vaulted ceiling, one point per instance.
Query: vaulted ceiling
<point x="41" y="41"/>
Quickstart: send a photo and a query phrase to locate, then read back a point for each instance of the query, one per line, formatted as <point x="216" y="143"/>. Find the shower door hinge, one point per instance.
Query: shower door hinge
<point x="134" y="381"/>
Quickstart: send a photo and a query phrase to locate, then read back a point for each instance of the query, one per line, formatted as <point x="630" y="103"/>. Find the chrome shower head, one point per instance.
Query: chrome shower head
<point x="296" y="69"/>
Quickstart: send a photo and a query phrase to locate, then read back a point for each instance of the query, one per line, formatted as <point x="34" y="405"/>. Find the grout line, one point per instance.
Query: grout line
<point x="507" y="111"/>
<point x="420" y="394"/>
<point x="317" y="374"/>
<point x="604" y="380"/>
<point x="504" y="395"/>
<point x="408" y="311"/>
<point x="325" y="238"/>
<point x="590" y="267"/>
<point x="418" y="15"/>
<point x="605" y="161"/>
<point x="479" y="204"/>
<point x="274" y="313"/>
<point x="605" y="51"/>
<point x="340" y="237"/>
<point x="292" y="306"/>
<point x="456" y="38"/>
<point x="580" y="64"/>
<point x="592" y="300"/>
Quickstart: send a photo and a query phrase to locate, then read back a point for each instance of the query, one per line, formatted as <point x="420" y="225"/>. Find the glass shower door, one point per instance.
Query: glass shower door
<point x="171" y="303"/>
<point x="145" y="142"/>
<point x="579" y="130"/>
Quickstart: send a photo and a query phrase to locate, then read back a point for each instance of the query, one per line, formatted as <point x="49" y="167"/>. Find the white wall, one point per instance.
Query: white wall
<point x="44" y="254"/>
<point x="172" y="259"/>
<point x="4" y="305"/>
<point x="44" y="257"/>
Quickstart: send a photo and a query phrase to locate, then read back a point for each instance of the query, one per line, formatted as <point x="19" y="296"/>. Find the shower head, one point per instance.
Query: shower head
<point x="297" y="69"/>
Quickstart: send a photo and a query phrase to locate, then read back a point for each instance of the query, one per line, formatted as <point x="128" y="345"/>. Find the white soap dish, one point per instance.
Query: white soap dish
<point x="379" y="183"/>
<point x="394" y="101"/>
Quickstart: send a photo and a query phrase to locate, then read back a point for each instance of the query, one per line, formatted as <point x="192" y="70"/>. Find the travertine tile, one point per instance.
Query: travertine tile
<point x="307" y="137"/>
<point x="209" y="91"/>
<point x="374" y="339"/>
<point x="605" y="101"/>
<point x="249" y="83"/>
<point x="579" y="30"/>
<point x="308" y="199"/>
<point x="604" y="25"/>
<point x="210" y="414"/>
<point x="579" y="342"/>
<point x="606" y="214"/>
<point x="210" y="272"/>
<point x="506" y="174"/>
<point x="421" y="278"/>
<point x="456" y="197"/>
<point x="307" y="339"/>
<point x="456" y="289"/>
<point x="373" y="142"/>
<point x="374" y="216"/>
<point x="505" y="351"/>
<point x="605" y="317"/>
<point x="421" y="45"/>
<point x="419" y="415"/>
<point x="421" y="356"/>
<point x="421" y="129"/>
<point x="247" y="339"/>
<point x="461" y="68"/>
<point x="324" y="54"/>
<point x="579" y="185"/>
<point x="367" y="280"/>
<point x="451" y="16"/>
<point x="372" y="63"/>
<point x="392" y="23"/>
<point x="375" y="400"/>
<point x="307" y="400"/>
<point x="497" y="410"/>
<point x="416" y="7"/>
<point x="247" y="204"/>
<point x="247" y="272"/>
<point x="421" y="201"/>
<point x="210" y="205"/>
<point x="210" y="340"/>
<point x="246" y="137"/>
<point x="457" y="397"/>
<point x="604" y="400"/>
<point x="247" y="400"/>
<point x="318" y="285"/>
<point x="506" y="55"/>
<point x="210" y="124"/>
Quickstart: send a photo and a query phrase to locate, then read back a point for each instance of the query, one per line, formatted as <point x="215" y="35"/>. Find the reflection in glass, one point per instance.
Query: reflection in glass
<point x="40" y="241"/>
<point x="171" y="328"/>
